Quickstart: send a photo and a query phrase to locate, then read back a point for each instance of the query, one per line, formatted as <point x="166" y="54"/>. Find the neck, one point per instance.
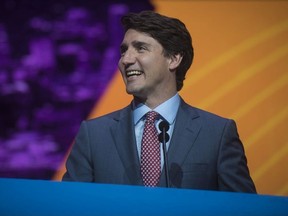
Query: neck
<point x="153" y="102"/>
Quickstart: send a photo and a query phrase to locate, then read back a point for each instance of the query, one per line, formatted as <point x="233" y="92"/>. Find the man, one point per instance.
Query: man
<point x="204" y="150"/>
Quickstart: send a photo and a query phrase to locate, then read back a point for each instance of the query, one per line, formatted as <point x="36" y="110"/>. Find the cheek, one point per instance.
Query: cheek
<point x="120" y="65"/>
<point x="121" y="68"/>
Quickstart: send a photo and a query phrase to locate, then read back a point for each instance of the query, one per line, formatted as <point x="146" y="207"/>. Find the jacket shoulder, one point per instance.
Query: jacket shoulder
<point x="203" y="113"/>
<point x="113" y="116"/>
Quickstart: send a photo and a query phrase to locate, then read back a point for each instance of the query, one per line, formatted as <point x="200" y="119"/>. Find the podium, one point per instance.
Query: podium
<point x="41" y="197"/>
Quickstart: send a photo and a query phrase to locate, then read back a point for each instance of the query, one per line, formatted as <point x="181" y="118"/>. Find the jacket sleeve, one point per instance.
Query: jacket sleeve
<point x="79" y="163"/>
<point x="233" y="172"/>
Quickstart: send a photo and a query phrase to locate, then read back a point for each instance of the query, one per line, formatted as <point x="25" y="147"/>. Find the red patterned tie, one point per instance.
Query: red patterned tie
<point x="150" y="152"/>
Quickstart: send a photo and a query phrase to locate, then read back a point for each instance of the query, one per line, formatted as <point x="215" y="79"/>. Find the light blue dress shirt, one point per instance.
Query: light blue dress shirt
<point x="167" y="111"/>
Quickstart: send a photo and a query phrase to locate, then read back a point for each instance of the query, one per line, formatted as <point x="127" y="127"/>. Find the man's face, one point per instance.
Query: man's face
<point x="144" y="68"/>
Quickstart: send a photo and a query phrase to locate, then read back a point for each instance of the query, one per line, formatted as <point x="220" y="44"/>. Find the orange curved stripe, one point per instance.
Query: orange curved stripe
<point x="239" y="71"/>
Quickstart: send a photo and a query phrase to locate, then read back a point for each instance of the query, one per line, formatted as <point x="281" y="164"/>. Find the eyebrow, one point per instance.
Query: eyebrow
<point x="139" y="43"/>
<point x="124" y="46"/>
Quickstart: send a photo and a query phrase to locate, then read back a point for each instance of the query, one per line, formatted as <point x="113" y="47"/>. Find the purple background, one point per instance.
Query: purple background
<point x="56" y="58"/>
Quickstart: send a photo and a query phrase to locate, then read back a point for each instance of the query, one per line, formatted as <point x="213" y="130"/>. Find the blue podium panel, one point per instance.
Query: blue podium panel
<point x="38" y="197"/>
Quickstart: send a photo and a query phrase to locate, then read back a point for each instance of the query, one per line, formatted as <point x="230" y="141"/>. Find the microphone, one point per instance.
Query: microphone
<point x="164" y="138"/>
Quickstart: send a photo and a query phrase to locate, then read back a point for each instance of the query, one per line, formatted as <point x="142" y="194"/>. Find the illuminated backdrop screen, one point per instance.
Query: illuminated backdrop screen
<point x="58" y="66"/>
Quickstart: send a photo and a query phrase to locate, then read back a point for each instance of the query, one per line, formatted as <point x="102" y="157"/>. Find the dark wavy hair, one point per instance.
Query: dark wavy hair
<point x="171" y="33"/>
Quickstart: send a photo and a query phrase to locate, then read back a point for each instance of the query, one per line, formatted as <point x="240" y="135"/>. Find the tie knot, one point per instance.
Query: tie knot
<point x="151" y="116"/>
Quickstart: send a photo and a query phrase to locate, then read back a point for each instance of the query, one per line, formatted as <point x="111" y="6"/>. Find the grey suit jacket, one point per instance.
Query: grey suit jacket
<point x="205" y="152"/>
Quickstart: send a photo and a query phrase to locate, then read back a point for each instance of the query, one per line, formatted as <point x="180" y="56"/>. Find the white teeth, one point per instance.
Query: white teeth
<point x="132" y="73"/>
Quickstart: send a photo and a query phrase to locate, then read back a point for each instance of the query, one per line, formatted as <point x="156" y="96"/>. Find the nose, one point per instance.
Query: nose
<point x="128" y="58"/>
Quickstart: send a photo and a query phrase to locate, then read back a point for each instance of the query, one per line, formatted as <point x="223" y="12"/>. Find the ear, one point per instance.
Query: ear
<point x="175" y="61"/>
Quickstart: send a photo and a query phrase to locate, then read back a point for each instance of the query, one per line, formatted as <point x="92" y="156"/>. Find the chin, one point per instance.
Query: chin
<point x="130" y="91"/>
<point x="134" y="92"/>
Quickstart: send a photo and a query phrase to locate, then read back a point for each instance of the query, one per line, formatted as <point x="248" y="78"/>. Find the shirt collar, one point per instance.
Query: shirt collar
<point x="167" y="110"/>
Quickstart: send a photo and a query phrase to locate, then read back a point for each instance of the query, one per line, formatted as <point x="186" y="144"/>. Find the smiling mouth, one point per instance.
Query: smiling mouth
<point x="133" y="73"/>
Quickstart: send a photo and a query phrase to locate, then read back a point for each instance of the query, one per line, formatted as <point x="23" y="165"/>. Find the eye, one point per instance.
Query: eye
<point x="123" y="49"/>
<point x="142" y="48"/>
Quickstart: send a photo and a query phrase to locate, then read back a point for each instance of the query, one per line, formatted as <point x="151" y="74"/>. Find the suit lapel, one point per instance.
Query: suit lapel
<point x="186" y="129"/>
<point x="124" y="135"/>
